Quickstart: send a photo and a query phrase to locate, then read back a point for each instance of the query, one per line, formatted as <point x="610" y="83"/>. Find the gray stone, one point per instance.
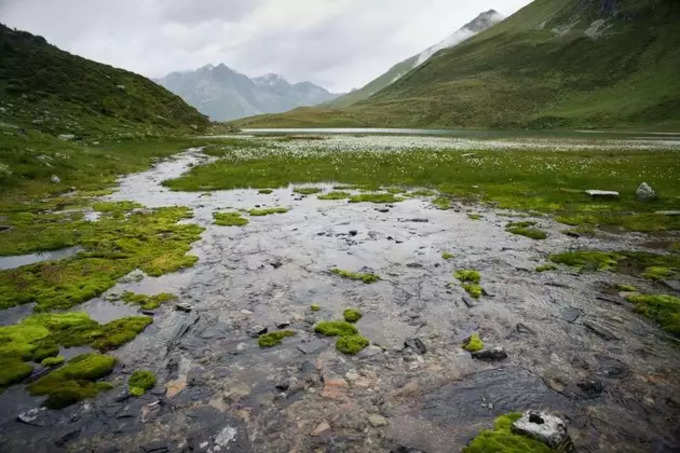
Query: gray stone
<point x="645" y="192"/>
<point x="544" y="427"/>
<point x="55" y="179"/>
<point x="183" y="306"/>
<point x="416" y="344"/>
<point x="672" y="284"/>
<point x="490" y="354"/>
<point x="602" y="193"/>
<point x="257" y="330"/>
<point x="600" y="331"/>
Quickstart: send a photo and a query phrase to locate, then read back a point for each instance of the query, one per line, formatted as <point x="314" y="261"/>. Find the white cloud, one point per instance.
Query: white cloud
<point x="339" y="44"/>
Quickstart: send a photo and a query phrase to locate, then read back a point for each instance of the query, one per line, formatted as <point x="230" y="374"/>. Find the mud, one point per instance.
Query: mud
<point x="218" y="391"/>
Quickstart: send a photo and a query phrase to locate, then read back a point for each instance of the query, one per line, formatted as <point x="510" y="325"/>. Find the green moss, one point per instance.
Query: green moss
<point x="526" y="229"/>
<point x="375" y="198"/>
<point x="267" y="211"/>
<point x="658" y="272"/>
<point x="229" y="219"/>
<point x="148" y="302"/>
<point x="626" y="288"/>
<point x="366" y="278"/>
<point x="447" y="255"/>
<point x="152" y="241"/>
<point x="501" y="439"/>
<point x="351" y="344"/>
<point x="473" y="216"/>
<point x="335" y="195"/>
<point x="442" y="203"/>
<point x="663" y="309"/>
<point x="53" y="361"/>
<point x="335" y="328"/>
<point x="118" y="332"/>
<point x="265" y="191"/>
<point x="307" y="190"/>
<point x="74" y="381"/>
<point x="468" y="275"/>
<point x="473" y="289"/>
<point x="271" y="339"/>
<point x="351" y="315"/>
<point x="474" y="343"/>
<point x="588" y="259"/>
<point x="140" y="382"/>
<point x="13" y="370"/>
<point x="422" y="193"/>
<point x="546" y="267"/>
<point x="314" y="307"/>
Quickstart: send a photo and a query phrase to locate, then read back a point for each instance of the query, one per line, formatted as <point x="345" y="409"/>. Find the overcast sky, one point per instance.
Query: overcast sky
<point x="339" y="44"/>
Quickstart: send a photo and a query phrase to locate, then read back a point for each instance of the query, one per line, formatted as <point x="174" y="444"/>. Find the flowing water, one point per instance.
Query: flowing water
<point x="572" y="347"/>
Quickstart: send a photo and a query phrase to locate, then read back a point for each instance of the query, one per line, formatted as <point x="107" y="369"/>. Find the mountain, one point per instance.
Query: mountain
<point x="554" y="63"/>
<point x="224" y="94"/>
<point x="479" y="24"/>
<point x="45" y="88"/>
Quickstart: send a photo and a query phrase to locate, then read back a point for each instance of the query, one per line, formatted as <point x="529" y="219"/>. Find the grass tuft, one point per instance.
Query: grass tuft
<point x="366" y="278"/>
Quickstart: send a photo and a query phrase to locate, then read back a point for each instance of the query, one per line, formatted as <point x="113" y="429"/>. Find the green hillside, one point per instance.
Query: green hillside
<point x="44" y="88"/>
<point x="555" y="63"/>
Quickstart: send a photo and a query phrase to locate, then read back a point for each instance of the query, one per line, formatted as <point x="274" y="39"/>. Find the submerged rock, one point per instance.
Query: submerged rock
<point x="544" y="427"/>
<point x="645" y="192"/>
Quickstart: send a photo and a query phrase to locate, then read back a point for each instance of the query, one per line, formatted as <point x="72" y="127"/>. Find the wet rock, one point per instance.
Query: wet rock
<point x="157" y="446"/>
<point x="183" y="306"/>
<point x="66" y="438"/>
<point x="148" y="312"/>
<point x="611" y="368"/>
<point x="353" y="232"/>
<point x="225" y="436"/>
<point x="544" y="427"/>
<point x="414" y="265"/>
<point x="468" y="301"/>
<point x="276" y="264"/>
<point x="645" y="192"/>
<point x="55" y="179"/>
<point x="570" y="314"/>
<point x="377" y="420"/>
<point x="672" y="284"/>
<point x="605" y="194"/>
<point x="490" y="354"/>
<point x="312" y="346"/>
<point x="257" y="330"/>
<point x="320" y="429"/>
<point x="370" y="351"/>
<point x="600" y="331"/>
<point x="383" y="210"/>
<point x="416" y="344"/>
<point x="281" y="324"/>
<point x="524" y="329"/>
<point x="31" y="416"/>
<point x="591" y="388"/>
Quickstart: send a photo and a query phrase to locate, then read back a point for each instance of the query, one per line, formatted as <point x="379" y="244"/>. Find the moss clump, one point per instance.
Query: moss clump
<point x="626" y="288"/>
<point x="148" y="302"/>
<point x="663" y="309"/>
<point x="474" y="216"/>
<point x="53" y="361"/>
<point x="588" y="259"/>
<point x="474" y="343"/>
<point x="526" y="229"/>
<point x="307" y="190"/>
<point x="546" y="267"/>
<point x="658" y="272"/>
<point x="468" y="275"/>
<point x="366" y="278"/>
<point x="314" y="307"/>
<point x="267" y="211"/>
<point x="352" y="315"/>
<point x="447" y="255"/>
<point x="229" y="219"/>
<point x="335" y="328"/>
<point x="351" y="344"/>
<point x="375" y="198"/>
<point x="335" y="195"/>
<point x="140" y="382"/>
<point x="13" y="370"/>
<point x="74" y="381"/>
<point x="268" y="340"/>
<point x="473" y="289"/>
<point x="501" y="439"/>
<point x="265" y="191"/>
<point x="442" y="203"/>
<point x="120" y="331"/>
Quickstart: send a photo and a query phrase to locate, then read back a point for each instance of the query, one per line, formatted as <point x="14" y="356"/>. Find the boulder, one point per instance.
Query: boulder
<point x="645" y="192"/>
<point x="544" y="427"/>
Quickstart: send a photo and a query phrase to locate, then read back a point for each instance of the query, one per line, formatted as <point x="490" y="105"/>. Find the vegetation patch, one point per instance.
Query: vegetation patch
<point x="447" y="255"/>
<point x="314" y="307"/>
<point x="366" y="278"/>
<point x="52" y="361"/>
<point x="265" y="191"/>
<point x="588" y="259"/>
<point x="352" y="315"/>
<point x="229" y="219"/>
<point x="526" y="229"/>
<point x="474" y="216"/>
<point x="474" y="343"/>
<point x="146" y="302"/>
<point x="658" y="272"/>
<point x="115" y="245"/>
<point x="546" y="267"/>
<point x="267" y="211"/>
<point x="307" y="190"/>
<point x="335" y="195"/>
<point x="351" y="344"/>
<point x="271" y="339"/>
<point x="469" y="280"/>
<point x="642" y="264"/>
<point x="375" y="198"/>
<point x="335" y="328"/>
<point x="422" y="193"/>
<point x="74" y="381"/>
<point x="501" y="439"/>
<point x="349" y="341"/>
<point x="118" y="332"/>
<point x="442" y="203"/>
<point x="626" y="288"/>
<point x="140" y="382"/>
<point x="663" y="309"/>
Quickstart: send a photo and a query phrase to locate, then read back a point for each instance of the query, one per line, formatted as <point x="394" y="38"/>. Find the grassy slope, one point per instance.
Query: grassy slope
<point x="536" y="69"/>
<point x="44" y="88"/>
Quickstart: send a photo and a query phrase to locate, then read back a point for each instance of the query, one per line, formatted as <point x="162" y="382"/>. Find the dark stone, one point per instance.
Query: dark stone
<point x="183" y="306"/>
<point x="591" y="387"/>
<point x="468" y="301"/>
<point x="524" y="329"/>
<point x="148" y="312"/>
<point x="353" y="232"/>
<point x="276" y="264"/>
<point x="570" y="314"/>
<point x="282" y="324"/>
<point x="490" y="354"/>
<point x="414" y="265"/>
<point x="257" y="330"/>
<point x="157" y="446"/>
<point x="5" y="228"/>
<point x="418" y="220"/>
<point x="416" y="344"/>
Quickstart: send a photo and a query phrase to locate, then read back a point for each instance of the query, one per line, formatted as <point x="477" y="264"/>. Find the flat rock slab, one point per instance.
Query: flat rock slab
<point x="602" y="193"/>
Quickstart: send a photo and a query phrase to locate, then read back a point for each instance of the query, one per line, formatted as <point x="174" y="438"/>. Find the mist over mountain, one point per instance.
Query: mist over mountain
<point x="225" y="94"/>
